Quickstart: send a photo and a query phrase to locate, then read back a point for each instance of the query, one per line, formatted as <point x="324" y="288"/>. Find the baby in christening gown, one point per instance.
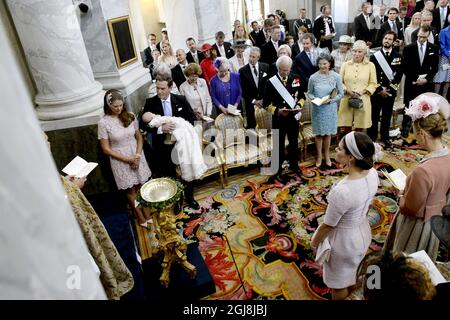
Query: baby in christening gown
<point x="187" y="146"/>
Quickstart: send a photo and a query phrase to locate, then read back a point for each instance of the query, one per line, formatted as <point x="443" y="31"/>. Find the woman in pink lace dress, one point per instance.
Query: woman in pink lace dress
<point x="122" y="141"/>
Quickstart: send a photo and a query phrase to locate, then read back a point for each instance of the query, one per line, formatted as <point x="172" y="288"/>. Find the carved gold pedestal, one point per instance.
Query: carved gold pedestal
<point x="170" y="244"/>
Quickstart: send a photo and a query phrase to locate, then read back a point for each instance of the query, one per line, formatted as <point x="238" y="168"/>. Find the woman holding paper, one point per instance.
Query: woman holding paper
<point x="346" y="226"/>
<point x="428" y="184"/>
<point x="225" y="87"/>
<point x="121" y="140"/>
<point x="324" y="113"/>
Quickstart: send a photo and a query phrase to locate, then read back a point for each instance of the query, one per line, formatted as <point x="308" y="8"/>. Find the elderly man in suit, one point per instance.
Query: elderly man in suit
<point x="380" y="18"/>
<point x="193" y="55"/>
<point x="178" y="71"/>
<point x="427" y="20"/>
<point x="282" y="98"/>
<point x="222" y="47"/>
<point x="420" y="64"/>
<point x="252" y="77"/>
<point x="388" y="67"/>
<point x="364" y="24"/>
<point x="170" y="105"/>
<point x="270" y="48"/>
<point x="440" y="16"/>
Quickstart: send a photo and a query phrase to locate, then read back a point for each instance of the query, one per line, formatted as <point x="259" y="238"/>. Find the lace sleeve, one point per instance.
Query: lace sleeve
<point x="102" y="131"/>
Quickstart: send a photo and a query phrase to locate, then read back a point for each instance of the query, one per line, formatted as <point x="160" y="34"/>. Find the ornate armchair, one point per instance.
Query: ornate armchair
<point x="236" y="150"/>
<point x="264" y="133"/>
<point x="212" y="154"/>
<point x="306" y="136"/>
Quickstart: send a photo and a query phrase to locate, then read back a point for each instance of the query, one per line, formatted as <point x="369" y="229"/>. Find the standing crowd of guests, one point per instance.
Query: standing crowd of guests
<point x="349" y="92"/>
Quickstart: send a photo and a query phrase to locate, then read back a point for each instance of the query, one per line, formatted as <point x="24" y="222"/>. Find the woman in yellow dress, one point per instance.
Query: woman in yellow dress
<point x="360" y="81"/>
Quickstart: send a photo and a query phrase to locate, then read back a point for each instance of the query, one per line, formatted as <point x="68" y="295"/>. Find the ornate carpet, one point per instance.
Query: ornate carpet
<point x="255" y="235"/>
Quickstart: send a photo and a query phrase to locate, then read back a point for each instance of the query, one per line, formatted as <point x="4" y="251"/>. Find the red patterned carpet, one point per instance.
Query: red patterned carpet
<point x="255" y="235"/>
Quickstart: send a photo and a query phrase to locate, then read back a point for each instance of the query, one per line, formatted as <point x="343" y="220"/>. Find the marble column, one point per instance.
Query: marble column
<point x="41" y="244"/>
<point x="181" y="21"/>
<point x="133" y="80"/>
<point x="137" y="24"/>
<point x="51" y="38"/>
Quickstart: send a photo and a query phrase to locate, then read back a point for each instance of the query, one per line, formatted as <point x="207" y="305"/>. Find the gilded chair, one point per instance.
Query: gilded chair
<point x="306" y="136"/>
<point x="212" y="155"/>
<point x="264" y="133"/>
<point x="398" y="108"/>
<point x="237" y="145"/>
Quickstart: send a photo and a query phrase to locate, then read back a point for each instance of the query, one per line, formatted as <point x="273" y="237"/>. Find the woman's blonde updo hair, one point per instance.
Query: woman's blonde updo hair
<point x="435" y="124"/>
<point x="192" y="68"/>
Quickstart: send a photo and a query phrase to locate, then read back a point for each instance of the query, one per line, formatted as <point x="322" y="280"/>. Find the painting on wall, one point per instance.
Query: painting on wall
<point x="122" y="41"/>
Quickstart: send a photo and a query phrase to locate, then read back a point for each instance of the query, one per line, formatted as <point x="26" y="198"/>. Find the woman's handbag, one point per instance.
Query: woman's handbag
<point x="355" y="103"/>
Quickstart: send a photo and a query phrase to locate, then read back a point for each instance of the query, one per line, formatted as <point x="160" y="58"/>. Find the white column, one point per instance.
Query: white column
<point x="181" y="22"/>
<point x="39" y="237"/>
<point x="137" y="23"/>
<point x="50" y="35"/>
<point x="94" y="27"/>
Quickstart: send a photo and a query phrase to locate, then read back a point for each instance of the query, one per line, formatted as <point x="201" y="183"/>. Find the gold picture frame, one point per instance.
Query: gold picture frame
<point x="122" y="41"/>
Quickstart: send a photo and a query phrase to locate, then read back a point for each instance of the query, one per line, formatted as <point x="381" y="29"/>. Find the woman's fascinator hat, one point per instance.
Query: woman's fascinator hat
<point x="426" y="104"/>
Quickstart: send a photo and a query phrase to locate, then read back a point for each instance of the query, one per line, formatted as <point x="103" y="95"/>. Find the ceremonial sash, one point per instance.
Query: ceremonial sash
<point x="281" y="89"/>
<point x="384" y="65"/>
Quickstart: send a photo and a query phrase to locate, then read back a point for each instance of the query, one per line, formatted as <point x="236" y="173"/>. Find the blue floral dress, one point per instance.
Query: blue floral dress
<point x="324" y="117"/>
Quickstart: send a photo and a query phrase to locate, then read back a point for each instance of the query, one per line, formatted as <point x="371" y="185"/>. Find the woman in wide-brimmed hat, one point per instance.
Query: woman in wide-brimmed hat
<point x="207" y="64"/>
<point x="239" y="59"/>
<point x="428" y="184"/>
<point x="360" y="81"/>
<point x="343" y="53"/>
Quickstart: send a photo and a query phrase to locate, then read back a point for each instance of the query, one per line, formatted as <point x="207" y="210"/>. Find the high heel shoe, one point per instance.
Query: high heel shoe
<point x="318" y="163"/>
<point x="329" y="164"/>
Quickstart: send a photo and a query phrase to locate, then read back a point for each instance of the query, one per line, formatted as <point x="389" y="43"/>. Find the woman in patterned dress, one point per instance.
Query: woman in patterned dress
<point x="121" y="140"/>
<point x="324" y="116"/>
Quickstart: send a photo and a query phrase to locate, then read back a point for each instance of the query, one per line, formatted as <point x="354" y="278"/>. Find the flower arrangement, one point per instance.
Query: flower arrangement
<point x="422" y="107"/>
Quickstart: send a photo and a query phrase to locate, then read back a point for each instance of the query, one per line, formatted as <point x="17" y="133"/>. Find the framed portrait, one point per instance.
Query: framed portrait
<point x="122" y="41"/>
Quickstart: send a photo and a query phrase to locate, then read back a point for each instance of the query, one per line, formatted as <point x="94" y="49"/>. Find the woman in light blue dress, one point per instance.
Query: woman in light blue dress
<point x="324" y="82"/>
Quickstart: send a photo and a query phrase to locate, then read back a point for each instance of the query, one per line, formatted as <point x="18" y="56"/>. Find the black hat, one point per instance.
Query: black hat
<point x="240" y="44"/>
